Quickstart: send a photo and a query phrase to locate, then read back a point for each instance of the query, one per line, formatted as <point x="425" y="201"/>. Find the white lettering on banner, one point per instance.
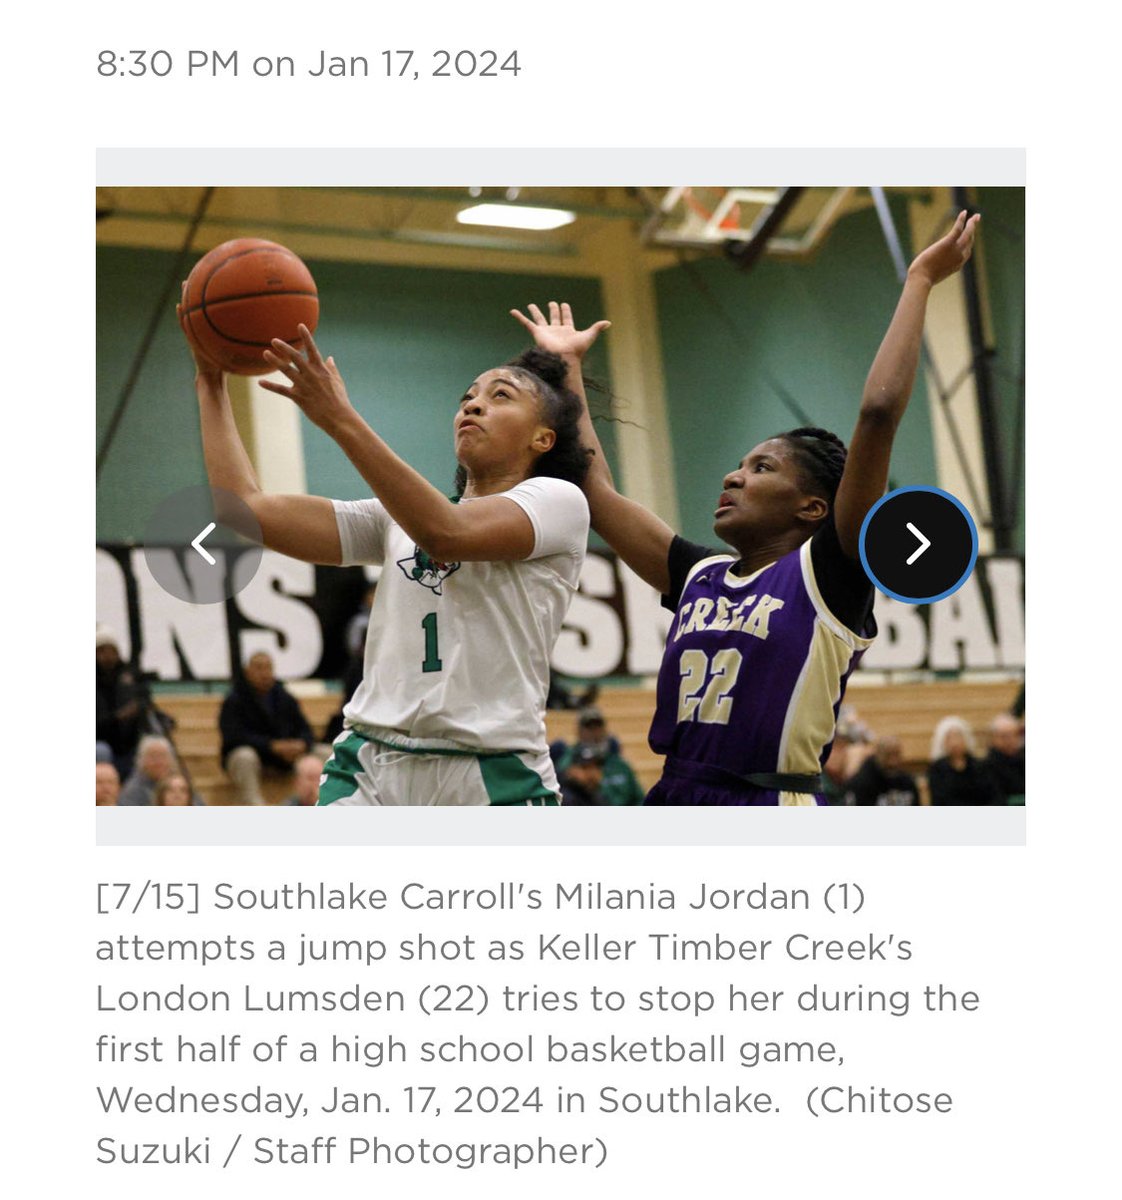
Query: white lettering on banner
<point x="901" y="643"/>
<point x="591" y="642"/>
<point x="291" y="633"/>
<point x="113" y="602"/>
<point x="615" y="624"/>
<point x="647" y="623"/>
<point x="166" y="623"/>
<point x="960" y="631"/>
<point x="1006" y="579"/>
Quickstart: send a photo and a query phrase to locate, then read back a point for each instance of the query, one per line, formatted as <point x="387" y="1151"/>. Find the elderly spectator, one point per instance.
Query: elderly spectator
<point x="154" y="759"/>
<point x="263" y="729"/>
<point x="108" y="785"/>
<point x="955" y="775"/>
<point x="1006" y="758"/>
<point x="881" y="779"/>
<point x="307" y="776"/>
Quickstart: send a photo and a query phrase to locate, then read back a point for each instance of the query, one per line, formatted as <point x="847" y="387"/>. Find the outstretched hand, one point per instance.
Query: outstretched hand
<point x="316" y="386"/>
<point x="949" y="253"/>
<point x="559" y="334"/>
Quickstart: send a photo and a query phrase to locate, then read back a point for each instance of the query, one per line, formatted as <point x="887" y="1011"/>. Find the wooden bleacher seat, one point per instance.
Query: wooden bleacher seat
<point x="908" y="710"/>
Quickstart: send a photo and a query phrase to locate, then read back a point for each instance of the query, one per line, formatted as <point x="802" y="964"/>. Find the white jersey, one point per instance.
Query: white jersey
<point x="457" y="654"/>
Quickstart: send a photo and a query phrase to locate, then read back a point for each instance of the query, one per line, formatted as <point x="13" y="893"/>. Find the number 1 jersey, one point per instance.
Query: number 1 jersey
<point x="457" y="654"/>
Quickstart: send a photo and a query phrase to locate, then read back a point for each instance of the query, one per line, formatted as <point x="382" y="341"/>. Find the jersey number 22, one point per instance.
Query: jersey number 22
<point x="704" y="692"/>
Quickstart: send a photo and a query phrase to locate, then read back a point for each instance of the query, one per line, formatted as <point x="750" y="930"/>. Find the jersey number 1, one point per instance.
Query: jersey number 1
<point x="432" y="646"/>
<point x="714" y="707"/>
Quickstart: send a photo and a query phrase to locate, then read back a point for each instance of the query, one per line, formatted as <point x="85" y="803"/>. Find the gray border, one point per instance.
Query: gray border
<point x="561" y="827"/>
<point x="601" y="167"/>
<point x="255" y="166"/>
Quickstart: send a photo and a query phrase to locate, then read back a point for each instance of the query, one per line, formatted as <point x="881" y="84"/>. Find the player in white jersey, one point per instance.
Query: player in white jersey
<point x="473" y="589"/>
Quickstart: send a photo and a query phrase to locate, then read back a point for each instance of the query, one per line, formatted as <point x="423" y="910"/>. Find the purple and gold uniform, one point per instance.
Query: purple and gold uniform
<point x="754" y="671"/>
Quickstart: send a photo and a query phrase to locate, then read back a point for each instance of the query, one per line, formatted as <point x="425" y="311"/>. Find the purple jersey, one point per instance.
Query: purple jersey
<point x="754" y="671"/>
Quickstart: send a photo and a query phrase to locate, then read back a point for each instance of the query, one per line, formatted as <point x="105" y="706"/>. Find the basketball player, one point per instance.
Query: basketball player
<point x="473" y="590"/>
<point x="764" y="639"/>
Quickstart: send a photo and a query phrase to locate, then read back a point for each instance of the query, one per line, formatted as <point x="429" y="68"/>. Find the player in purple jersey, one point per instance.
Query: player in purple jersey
<point x="764" y="639"/>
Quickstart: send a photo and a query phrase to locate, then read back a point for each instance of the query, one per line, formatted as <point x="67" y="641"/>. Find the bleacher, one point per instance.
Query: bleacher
<point x="908" y="710"/>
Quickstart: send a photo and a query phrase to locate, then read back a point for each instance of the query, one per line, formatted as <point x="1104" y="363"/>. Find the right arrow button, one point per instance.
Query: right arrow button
<point x="944" y="557"/>
<point x="923" y="544"/>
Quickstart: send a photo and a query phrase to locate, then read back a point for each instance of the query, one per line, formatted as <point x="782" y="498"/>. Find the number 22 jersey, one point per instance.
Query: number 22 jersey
<point x="756" y="666"/>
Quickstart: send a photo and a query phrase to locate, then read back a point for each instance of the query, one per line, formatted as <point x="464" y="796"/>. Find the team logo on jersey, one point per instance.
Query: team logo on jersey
<point x="426" y="571"/>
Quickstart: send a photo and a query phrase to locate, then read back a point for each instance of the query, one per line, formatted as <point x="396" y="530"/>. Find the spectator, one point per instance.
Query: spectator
<point x="581" y="778"/>
<point x="850" y="748"/>
<point x="592" y="730"/>
<point x="307" y="776"/>
<point x="108" y="785"/>
<point x="124" y="706"/>
<point x="1006" y="759"/>
<point x="618" y="783"/>
<point x="262" y="729"/>
<point x="173" y="791"/>
<point x="881" y="779"/>
<point x="955" y="775"/>
<point x="154" y="759"/>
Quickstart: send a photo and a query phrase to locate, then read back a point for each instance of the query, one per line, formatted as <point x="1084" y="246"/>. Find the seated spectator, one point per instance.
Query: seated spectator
<point x="262" y="729"/>
<point x="124" y="707"/>
<point x="851" y="747"/>
<point x="618" y="784"/>
<point x="881" y="779"/>
<point x="955" y="775"/>
<point x="1006" y="759"/>
<point x="154" y="759"/>
<point x="173" y="791"/>
<point x="307" y="775"/>
<point x="582" y="777"/>
<point x="108" y="785"/>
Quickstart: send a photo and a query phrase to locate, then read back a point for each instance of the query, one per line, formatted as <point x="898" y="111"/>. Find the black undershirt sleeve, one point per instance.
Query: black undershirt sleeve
<point x="842" y="581"/>
<point x="680" y="560"/>
<point x="845" y="587"/>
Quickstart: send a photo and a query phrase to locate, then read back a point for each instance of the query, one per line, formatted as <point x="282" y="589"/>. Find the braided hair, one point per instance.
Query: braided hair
<point x="544" y="374"/>
<point x="820" y="458"/>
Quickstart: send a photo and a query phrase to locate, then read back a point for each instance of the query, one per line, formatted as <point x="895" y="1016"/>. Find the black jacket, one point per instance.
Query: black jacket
<point x="250" y="719"/>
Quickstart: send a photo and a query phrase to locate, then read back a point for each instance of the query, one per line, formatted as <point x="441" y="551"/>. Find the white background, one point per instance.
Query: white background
<point x="1035" y="927"/>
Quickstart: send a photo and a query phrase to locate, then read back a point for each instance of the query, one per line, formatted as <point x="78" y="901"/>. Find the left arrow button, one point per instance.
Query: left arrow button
<point x="197" y="544"/>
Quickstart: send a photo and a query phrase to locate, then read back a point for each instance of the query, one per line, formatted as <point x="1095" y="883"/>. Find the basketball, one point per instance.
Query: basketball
<point x="243" y="294"/>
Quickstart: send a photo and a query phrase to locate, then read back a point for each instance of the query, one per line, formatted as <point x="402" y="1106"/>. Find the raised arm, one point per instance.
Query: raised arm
<point x="302" y="527"/>
<point x="639" y="537"/>
<point x="490" y="529"/>
<point x="890" y="381"/>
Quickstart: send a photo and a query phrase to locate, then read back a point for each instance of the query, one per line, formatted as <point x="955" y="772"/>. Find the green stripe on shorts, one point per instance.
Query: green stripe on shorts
<point x="509" y="781"/>
<point x="340" y="770"/>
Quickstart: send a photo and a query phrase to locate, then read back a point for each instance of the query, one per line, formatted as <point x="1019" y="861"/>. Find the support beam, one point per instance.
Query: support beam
<point x="635" y="358"/>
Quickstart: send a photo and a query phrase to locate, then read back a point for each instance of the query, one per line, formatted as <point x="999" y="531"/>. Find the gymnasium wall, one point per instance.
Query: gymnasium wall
<point x="408" y="341"/>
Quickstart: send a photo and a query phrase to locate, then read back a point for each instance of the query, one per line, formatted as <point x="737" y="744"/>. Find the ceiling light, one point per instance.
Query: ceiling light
<point x="515" y="216"/>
